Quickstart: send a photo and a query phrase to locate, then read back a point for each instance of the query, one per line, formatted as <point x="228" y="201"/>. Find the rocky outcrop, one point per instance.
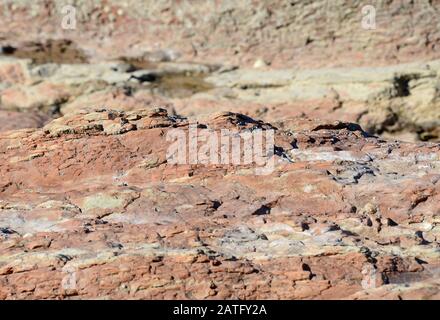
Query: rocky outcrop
<point x="399" y="101"/>
<point x="344" y="205"/>
<point x="90" y="208"/>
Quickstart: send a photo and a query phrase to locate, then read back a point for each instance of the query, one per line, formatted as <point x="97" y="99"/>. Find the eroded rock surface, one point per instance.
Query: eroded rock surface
<point x="90" y="200"/>
<point x="398" y="101"/>
<point x="90" y="208"/>
<point x="272" y="59"/>
<point x="275" y="32"/>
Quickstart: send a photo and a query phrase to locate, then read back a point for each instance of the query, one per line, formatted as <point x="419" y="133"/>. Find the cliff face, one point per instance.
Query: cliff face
<point x="91" y="206"/>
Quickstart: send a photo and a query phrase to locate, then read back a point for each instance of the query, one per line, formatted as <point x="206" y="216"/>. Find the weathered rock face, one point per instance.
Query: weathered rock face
<point x="268" y="60"/>
<point x="282" y="33"/>
<point x="90" y="208"/>
<point x="400" y="101"/>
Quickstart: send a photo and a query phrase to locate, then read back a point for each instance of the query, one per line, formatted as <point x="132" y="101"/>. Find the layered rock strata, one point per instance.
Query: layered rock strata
<point x="90" y="208"/>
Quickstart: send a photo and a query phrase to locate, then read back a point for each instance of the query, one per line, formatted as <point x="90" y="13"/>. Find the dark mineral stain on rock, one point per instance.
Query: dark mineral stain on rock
<point x="50" y="51"/>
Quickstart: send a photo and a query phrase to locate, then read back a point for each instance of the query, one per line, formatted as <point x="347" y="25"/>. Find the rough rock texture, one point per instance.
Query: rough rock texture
<point x="400" y="101"/>
<point x="90" y="208"/>
<point x="91" y="196"/>
<point x="266" y="59"/>
<point x="301" y="33"/>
